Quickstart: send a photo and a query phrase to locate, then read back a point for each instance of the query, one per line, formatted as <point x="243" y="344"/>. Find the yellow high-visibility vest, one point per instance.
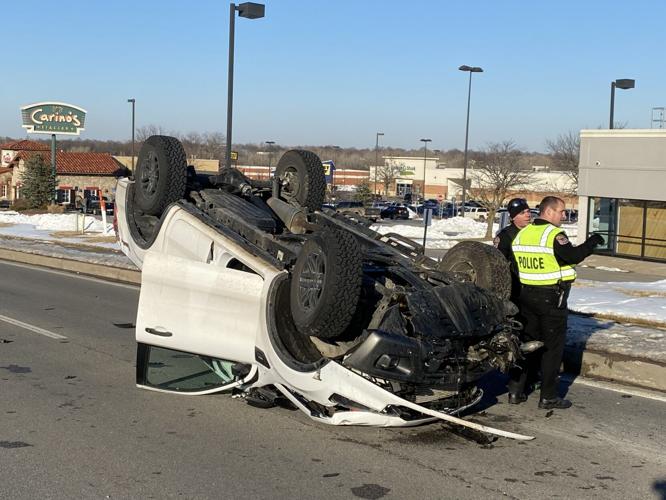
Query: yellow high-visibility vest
<point x="535" y="257"/>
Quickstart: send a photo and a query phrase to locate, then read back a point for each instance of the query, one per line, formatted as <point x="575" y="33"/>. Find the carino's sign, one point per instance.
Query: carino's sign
<point x="53" y="118"/>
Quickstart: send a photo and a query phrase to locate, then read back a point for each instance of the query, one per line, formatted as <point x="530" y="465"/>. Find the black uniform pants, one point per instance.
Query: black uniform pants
<point x="544" y="315"/>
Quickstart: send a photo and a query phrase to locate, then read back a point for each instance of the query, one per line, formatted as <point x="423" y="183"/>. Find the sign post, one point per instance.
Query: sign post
<point x="53" y="118"/>
<point x="427" y="221"/>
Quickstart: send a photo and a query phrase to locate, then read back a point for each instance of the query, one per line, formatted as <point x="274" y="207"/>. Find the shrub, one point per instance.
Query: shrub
<point x="21" y="204"/>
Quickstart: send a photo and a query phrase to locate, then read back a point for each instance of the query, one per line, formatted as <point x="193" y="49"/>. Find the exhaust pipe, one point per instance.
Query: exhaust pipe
<point x="531" y="346"/>
<point x="295" y="219"/>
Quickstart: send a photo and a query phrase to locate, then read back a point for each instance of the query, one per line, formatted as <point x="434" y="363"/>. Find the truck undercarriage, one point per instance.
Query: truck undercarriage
<point x="420" y="329"/>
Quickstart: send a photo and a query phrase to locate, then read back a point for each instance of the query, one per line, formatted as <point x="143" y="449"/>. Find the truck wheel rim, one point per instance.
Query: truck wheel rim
<point x="150" y="174"/>
<point x="311" y="282"/>
<point x="466" y="268"/>
<point x="290" y="182"/>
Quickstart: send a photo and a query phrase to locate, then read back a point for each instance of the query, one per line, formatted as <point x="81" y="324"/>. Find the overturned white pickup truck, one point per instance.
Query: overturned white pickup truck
<point x="251" y="287"/>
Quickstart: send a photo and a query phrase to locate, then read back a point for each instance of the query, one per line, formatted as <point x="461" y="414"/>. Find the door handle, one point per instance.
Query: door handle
<point x="160" y="332"/>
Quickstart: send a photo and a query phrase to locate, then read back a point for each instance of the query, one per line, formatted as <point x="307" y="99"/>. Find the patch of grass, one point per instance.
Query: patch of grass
<point x="641" y="293"/>
<point x="85" y="238"/>
<point x="65" y="234"/>
<point x="101" y="239"/>
<point x="6" y="224"/>
<point x="651" y="323"/>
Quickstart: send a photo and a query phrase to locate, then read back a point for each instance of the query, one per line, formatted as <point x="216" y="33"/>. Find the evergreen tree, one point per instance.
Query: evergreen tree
<point x="38" y="182"/>
<point x="363" y="192"/>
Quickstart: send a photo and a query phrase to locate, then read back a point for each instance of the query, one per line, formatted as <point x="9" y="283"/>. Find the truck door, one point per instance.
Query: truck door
<point x="199" y="312"/>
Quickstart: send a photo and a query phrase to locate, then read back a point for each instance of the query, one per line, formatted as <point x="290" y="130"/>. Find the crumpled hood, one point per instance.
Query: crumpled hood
<point x="455" y="310"/>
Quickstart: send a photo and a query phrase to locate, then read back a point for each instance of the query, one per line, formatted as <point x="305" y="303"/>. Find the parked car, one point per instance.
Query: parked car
<point x="570" y="215"/>
<point x="477" y="213"/>
<point x="359" y="209"/>
<point x="395" y="212"/>
<point x="93" y="206"/>
<point x="249" y="286"/>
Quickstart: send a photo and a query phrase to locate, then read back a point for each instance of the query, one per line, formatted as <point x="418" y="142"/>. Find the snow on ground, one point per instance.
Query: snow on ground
<point x="41" y="227"/>
<point x="442" y="233"/>
<point x="627" y="301"/>
<point x="445" y="233"/>
<point x="608" y="336"/>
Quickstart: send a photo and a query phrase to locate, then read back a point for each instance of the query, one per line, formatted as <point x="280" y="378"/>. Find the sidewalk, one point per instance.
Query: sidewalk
<point x="598" y="348"/>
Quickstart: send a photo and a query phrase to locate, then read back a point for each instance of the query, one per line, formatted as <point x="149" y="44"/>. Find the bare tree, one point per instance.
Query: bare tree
<point x="565" y="151"/>
<point x="387" y="173"/>
<point x="500" y="170"/>
<point x="142" y="133"/>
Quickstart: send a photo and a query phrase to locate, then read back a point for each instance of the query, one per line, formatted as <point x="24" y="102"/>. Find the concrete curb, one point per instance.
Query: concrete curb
<point x="75" y="266"/>
<point x="614" y="367"/>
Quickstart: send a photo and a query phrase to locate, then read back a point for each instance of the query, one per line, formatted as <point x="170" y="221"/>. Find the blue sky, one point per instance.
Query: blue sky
<point x="336" y="72"/>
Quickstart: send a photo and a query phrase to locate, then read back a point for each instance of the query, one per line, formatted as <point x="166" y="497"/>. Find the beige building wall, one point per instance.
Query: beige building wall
<point x="626" y="164"/>
<point x="203" y="166"/>
<point x="623" y="163"/>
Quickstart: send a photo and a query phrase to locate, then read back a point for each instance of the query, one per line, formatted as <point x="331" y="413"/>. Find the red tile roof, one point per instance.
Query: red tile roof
<point x="25" y="145"/>
<point x="79" y="163"/>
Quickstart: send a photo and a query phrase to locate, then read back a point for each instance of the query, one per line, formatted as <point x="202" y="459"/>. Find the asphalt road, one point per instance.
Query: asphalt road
<point x="73" y="425"/>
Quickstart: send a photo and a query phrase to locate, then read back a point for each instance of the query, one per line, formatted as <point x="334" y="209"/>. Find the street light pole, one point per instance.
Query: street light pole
<point x="270" y="156"/>
<point x="336" y="150"/>
<point x="249" y="10"/>
<point x="377" y="157"/>
<point x="133" y="101"/>
<point x="425" y="155"/>
<point x="624" y="84"/>
<point x="471" y="69"/>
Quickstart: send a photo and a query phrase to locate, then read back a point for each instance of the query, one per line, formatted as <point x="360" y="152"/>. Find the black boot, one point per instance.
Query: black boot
<point x="554" y="404"/>
<point x="516" y="399"/>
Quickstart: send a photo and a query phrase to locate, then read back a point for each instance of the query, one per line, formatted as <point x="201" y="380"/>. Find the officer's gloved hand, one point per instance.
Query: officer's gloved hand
<point x="595" y="240"/>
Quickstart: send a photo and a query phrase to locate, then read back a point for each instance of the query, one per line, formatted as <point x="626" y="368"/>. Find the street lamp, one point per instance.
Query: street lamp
<point x="624" y="84"/>
<point x="470" y="69"/>
<point x="425" y="154"/>
<point x="249" y="10"/>
<point x="336" y="150"/>
<point x="133" y="101"/>
<point x="377" y="157"/>
<point x="270" y="156"/>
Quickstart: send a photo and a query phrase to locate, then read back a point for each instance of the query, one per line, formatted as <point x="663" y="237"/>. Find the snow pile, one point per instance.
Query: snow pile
<point x="54" y="222"/>
<point x="644" y="301"/>
<point x="443" y="233"/>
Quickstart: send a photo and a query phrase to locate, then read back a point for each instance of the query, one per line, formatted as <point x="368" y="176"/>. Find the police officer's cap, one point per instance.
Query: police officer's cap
<point x="517" y="205"/>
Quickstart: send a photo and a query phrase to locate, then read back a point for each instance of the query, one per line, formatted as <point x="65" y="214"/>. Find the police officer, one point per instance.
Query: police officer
<point x="545" y="259"/>
<point x="519" y="212"/>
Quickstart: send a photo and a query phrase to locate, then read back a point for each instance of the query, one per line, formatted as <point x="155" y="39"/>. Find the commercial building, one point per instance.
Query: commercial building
<point x="406" y="175"/>
<point x="621" y="184"/>
<point x="78" y="175"/>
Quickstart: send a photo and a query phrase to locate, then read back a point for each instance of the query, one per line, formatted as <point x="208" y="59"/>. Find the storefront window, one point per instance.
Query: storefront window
<point x="602" y="220"/>
<point x="630" y="227"/>
<point x="655" y="230"/>
<point x="403" y="189"/>
<point x="633" y="228"/>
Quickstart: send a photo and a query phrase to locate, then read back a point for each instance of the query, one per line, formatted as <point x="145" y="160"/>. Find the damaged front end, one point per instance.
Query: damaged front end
<point x="430" y="345"/>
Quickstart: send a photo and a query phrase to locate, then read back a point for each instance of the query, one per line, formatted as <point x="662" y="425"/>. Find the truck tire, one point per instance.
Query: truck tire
<point x="302" y="179"/>
<point x="326" y="284"/>
<point x="483" y="264"/>
<point x="160" y="175"/>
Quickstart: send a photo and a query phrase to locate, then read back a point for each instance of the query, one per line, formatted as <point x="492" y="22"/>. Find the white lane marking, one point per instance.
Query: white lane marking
<point x="71" y="274"/>
<point x="609" y="386"/>
<point x="32" y="328"/>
